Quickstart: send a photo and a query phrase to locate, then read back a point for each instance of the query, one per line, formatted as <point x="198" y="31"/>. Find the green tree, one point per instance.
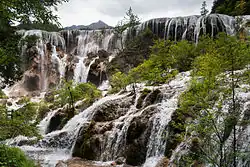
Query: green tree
<point x="70" y="93"/>
<point x="204" y="10"/>
<point x="128" y="22"/>
<point x="118" y="81"/>
<point x="19" y="122"/>
<point x="213" y="86"/>
<point x="231" y="7"/>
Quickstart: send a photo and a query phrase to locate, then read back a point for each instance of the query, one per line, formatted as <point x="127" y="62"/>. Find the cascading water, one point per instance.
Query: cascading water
<point x="81" y="44"/>
<point x="90" y="42"/>
<point x="61" y="63"/>
<point x="58" y="145"/>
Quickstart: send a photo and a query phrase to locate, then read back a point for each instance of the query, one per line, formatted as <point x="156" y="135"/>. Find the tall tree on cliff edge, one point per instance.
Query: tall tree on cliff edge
<point x="128" y="22"/>
<point x="25" y="12"/>
<point x="230" y="7"/>
<point x="204" y="10"/>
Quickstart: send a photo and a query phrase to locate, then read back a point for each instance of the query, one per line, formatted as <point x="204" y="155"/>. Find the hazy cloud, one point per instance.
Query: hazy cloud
<point x="110" y="11"/>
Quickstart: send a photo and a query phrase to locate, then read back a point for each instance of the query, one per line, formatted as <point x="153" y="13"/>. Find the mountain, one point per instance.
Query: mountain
<point x="94" y="26"/>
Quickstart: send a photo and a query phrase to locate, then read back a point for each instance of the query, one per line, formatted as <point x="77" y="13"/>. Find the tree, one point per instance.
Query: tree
<point x="213" y="87"/>
<point x="231" y="7"/>
<point x="24" y="12"/>
<point x="204" y="10"/>
<point x="128" y="22"/>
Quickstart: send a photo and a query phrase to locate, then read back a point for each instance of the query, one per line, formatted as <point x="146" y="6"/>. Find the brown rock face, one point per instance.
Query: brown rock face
<point x="97" y="72"/>
<point x="31" y="81"/>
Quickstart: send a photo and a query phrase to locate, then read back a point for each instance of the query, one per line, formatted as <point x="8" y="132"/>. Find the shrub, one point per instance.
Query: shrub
<point x="14" y="157"/>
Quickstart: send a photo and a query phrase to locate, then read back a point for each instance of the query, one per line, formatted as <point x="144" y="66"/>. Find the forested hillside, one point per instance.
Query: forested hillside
<point x="231" y="7"/>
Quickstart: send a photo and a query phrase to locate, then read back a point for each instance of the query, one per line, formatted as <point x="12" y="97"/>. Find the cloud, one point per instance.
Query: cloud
<point x="110" y="11"/>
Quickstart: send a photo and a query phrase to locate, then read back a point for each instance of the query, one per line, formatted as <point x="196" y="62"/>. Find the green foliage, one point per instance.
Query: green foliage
<point x="72" y="93"/>
<point x="10" y="69"/>
<point x="118" y="81"/>
<point x="46" y="27"/>
<point x="14" y="157"/>
<point x="231" y="7"/>
<point x="2" y="94"/>
<point x="43" y="109"/>
<point x="213" y="85"/>
<point x="20" y="122"/>
<point x="166" y="60"/>
<point x="135" y="52"/>
<point x="129" y="21"/>
<point x="204" y="10"/>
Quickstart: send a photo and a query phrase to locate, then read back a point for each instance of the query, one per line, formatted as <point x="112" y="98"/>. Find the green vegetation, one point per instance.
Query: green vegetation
<point x="231" y="7"/>
<point x="135" y="52"/>
<point x="204" y="10"/>
<point x="19" y="122"/>
<point x="14" y="157"/>
<point x="213" y="86"/>
<point x="71" y="93"/>
<point x="39" y="26"/>
<point x="166" y="60"/>
<point x="129" y="21"/>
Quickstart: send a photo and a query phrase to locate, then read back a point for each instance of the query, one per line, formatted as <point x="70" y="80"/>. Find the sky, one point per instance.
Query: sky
<point x="85" y="12"/>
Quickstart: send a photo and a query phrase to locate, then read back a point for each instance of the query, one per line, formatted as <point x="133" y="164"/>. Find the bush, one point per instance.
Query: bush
<point x="14" y="157"/>
<point x="19" y="122"/>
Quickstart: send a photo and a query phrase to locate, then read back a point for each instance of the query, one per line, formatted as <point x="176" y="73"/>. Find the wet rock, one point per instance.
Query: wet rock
<point x="57" y="121"/>
<point x="163" y="163"/>
<point x="101" y="128"/>
<point x="97" y="72"/>
<point x="103" y="55"/>
<point x="120" y="160"/>
<point x="31" y="82"/>
<point x="138" y="137"/>
<point x="140" y="100"/>
<point x="3" y="102"/>
<point x="9" y="103"/>
<point x="113" y="164"/>
<point x="112" y="109"/>
<point x="152" y="98"/>
<point x="87" y="146"/>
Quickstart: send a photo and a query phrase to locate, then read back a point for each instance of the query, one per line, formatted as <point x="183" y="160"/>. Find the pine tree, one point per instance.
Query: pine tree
<point x="204" y="10"/>
<point x="129" y="21"/>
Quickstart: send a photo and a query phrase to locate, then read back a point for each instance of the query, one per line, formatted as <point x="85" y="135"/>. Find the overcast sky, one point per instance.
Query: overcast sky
<point x="84" y="12"/>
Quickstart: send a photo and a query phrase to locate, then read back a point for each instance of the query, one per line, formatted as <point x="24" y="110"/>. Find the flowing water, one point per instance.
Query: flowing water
<point x="78" y="44"/>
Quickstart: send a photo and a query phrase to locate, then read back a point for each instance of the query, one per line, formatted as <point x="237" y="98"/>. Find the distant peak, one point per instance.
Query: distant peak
<point x="96" y="25"/>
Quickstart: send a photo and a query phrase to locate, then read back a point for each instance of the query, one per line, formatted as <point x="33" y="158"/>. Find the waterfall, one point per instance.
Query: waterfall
<point x="61" y="63"/>
<point x="66" y="137"/>
<point x="80" y="45"/>
<point x="90" y="42"/>
<point x="43" y="125"/>
<point x="159" y="131"/>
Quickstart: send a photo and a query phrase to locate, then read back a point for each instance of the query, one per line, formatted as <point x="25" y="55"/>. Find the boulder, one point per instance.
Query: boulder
<point x="143" y="95"/>
<point x="3" y="102"/>
<point x="31" y="81"/>
<point x="87" y="146"/>
<point x="163" y="163"/>
<point x="138" y="136"/>
<point x="57" y="121"/>
<point x="152" y="98"/>
<point x="112" y="110"/>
